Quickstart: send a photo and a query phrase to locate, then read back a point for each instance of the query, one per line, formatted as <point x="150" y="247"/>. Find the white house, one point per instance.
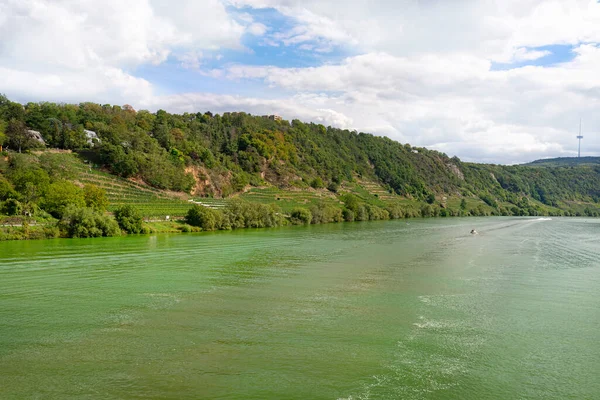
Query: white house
<point x="91" y="136"/>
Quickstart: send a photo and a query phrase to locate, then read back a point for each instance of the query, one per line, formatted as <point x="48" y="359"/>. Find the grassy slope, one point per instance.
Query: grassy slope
<point x="156" y="204"/>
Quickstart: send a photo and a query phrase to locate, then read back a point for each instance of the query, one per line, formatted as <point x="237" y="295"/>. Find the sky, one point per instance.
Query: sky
<point x="501" y="81"/>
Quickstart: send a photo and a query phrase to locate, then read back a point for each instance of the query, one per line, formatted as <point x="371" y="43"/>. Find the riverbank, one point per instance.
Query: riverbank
<point x="33" y="230"/>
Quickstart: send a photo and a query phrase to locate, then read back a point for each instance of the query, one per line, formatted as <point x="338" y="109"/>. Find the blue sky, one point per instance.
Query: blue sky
<point x="502" y="82"/>
<point x="557" y="53"/>
<point x="171" y="77"/>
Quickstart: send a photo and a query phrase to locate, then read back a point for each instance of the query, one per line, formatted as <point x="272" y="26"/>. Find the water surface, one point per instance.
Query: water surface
<point x="416" y="309"/>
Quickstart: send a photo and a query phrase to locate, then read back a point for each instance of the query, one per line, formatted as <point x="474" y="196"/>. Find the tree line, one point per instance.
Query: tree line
<point x="236" y="150"/>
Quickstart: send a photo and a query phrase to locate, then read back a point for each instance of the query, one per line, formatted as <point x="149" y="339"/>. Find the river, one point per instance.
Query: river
<point x="411" y="309"/>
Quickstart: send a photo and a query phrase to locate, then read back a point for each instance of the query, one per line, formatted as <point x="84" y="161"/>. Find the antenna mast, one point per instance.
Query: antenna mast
<point x="579" y="138"/>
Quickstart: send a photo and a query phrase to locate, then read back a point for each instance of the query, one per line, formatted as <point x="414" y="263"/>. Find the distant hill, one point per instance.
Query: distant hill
<point x="565" y="162"/>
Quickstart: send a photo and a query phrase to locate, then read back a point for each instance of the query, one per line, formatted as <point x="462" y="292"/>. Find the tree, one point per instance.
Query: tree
<point x="129" y="219"/>
<point x="430" y="198"/>
<point x="2" y="132"/>
<point x="82" y="222"/>
<point x="351" y="202"/>
<point x="317" y="183"/>
<point x="463" y="204"/>
<point x="60" y="195"/>
<point x="202" y="217"/>
<point x="95" y="197"/>
<point x="7" y="190"/>
<point x="333" y="187"/>
<point x="300" y="216"/>
<point x="17" y="135"/>
<point x="28" y="178"/>
<point x="12" y="207"/>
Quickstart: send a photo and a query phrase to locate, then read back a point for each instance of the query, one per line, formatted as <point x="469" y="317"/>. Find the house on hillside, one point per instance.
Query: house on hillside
<point x="273" y="117"/>
<point x="35" y="135"/>
<point x="91" y="137"/>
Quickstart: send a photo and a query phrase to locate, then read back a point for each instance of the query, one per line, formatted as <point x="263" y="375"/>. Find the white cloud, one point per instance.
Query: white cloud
<point x="492" y="29"/>
<point x="523" y="54"/>
<point x="191" y="60"/>
<point x="421" y="71"/>
<point x="257" y="29"/>
<point x="87" y="49"/>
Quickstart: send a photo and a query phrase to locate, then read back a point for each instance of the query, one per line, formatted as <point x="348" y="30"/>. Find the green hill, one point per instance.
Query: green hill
<point x="164" y="163"/>
<point x="566" y="162"/>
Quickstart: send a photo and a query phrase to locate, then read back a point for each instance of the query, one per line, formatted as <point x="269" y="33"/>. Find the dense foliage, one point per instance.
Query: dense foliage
<point x="83" y="222"/>
<point x="219" y="155"/>
<point x="129" y="219"/>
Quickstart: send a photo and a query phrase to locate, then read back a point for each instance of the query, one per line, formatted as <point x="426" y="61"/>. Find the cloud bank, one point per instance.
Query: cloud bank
<point x="488" y="81"/>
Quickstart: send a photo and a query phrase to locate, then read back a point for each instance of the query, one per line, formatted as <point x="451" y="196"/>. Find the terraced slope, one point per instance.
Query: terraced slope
<point x="151" y="202"/>
<point x="289" y="199"/>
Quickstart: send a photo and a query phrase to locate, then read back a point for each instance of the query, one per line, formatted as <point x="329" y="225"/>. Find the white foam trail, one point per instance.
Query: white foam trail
<point x="544" y="219"/>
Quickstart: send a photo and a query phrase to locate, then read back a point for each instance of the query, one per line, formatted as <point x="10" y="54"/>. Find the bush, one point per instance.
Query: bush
<point x="202" y="217"/>
<point x="375" y="213"/>
<point x="333" y="187"/>
<point x="185" y="228"/>
<point x="395" y="211"/>
<point x="427" y="211"/>
<point x="83" y="222"/>
<point x="95" y="197"/>
<point x="129" y="219"/>
<point x="7" y="190"/>
<point x="12" y="207"/>
<point x="348" y="215"/>
<point x="241" y="214"/>
<point x="300" y="216"/>
<point x="361" y="213"/>
<point x="324" y="214"/>
<point x="51" y="232"/>
<point x="60" y="195"/>
<point x="317" y="183"/>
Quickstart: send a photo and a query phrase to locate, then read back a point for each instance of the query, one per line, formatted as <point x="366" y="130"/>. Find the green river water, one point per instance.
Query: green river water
<point x="416" y="309"/>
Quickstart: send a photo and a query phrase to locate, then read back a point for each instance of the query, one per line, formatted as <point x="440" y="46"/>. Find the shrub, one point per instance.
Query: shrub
<point x="129" y="219"/>
<point x="317" y="183"/>
<point x="333" y="187"/>
<point x="242" y="214"/>
<point x="95" y="197"/>
<point x="361" y="213"/>
<point x="185" y="228"/>
<point x="82" y="222"/>
<point x="300" y="216"/>
<point x="60" y="195"/>
<point x="348" y="215"/>
<point x="7" y="190"/>
<point x="427" y="211"/>
<point x="51" y="231"/>
<point x="202" y="217"/>
<point x="395" y="211"/>
<point x="12" y="207"/>
<point x="324" y="214"/>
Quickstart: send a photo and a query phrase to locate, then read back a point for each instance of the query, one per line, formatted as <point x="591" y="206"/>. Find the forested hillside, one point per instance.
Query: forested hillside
<point x="211" y="156"/>
<point x="566" y="162"/>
